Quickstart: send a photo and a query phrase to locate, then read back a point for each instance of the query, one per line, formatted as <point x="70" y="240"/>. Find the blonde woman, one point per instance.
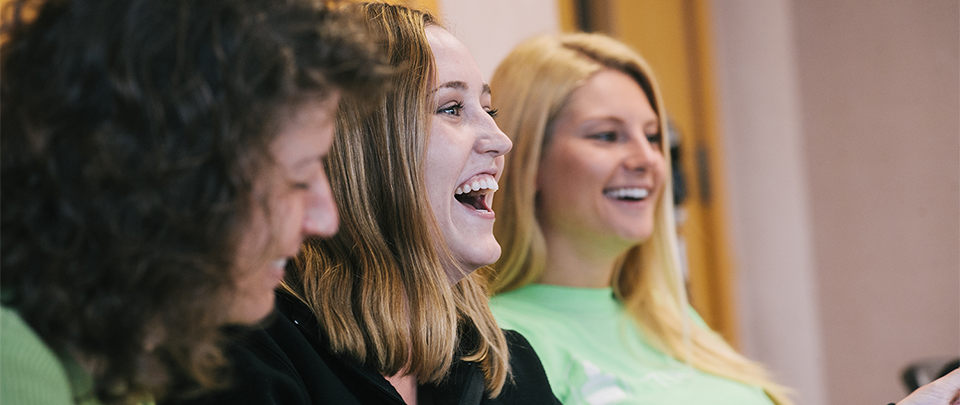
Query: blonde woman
<point x="589" y="272"/>
<point x="387" y="311"/>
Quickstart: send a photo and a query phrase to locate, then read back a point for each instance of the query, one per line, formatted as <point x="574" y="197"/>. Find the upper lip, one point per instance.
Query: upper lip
<point x="646" y="186"/>
<point x="491" y="172"/>
<point x="485" y="195"/>
<point x="632" y="191"/>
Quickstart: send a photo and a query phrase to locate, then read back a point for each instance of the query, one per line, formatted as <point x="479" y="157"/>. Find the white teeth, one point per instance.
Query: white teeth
<point x="632" y="193"/>
<point x="483" y="184"/>
<point x="280" y="262"/>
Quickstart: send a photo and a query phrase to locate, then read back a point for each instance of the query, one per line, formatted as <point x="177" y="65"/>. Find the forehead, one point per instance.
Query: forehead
<point x="451" y="56"/>
<point x="305" y="130"/>
<point x="610" y="89"/>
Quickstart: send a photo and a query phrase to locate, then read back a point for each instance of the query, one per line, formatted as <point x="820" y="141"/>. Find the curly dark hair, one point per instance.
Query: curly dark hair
<point x="133" y="131"/>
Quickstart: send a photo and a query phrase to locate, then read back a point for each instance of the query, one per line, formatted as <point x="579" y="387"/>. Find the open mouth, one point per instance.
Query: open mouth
<point x="627" y="193"/>
<point x="474" y="193"/>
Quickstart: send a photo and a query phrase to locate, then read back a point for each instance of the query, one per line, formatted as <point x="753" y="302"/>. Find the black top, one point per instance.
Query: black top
<point x="288" y="363"/>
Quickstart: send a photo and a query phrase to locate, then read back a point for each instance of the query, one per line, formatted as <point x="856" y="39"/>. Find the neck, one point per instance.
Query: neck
<point x="575" y="262"/>
<point x="404" y="381"/>
<point x="406" y="385"/>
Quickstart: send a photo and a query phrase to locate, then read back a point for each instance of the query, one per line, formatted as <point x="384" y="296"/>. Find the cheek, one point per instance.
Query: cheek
<point x="561" y="182"/>
<point x="573" y="171"/>
<point x="256" y="234"/>
<point x="661" y="171"/>
<point x="292" y="212"/>
<point x="434" y="177"/>
<point x="285" y="217"/>
<point x="445" y="160"/>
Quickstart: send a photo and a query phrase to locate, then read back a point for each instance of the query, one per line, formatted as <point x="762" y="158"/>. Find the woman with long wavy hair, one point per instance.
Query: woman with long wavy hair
<point x="590" y="269"/>
<point x="389" y="311"/>
<point x="160" y="163"/>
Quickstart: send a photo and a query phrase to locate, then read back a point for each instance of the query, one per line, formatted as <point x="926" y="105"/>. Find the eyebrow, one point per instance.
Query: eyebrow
<point x="459" y="85"/>
<point x="305" y="162"/>
<point x="616" y="120"/>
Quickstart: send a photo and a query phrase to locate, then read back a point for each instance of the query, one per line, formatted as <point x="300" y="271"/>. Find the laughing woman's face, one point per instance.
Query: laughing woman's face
<point x="603" y="170"/>
<point x="464" y="154"/>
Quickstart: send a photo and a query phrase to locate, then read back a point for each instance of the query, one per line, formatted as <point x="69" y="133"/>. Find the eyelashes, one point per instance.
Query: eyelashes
<point x="456" y="110"/>
<point x="655" y="140"/>
<point x="606" y="136"/>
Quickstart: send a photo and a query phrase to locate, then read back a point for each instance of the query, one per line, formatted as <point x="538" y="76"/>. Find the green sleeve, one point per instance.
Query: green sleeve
<point x="30" y="373"/>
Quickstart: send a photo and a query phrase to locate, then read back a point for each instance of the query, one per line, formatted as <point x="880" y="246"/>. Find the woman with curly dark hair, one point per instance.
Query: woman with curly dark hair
<point x="161" y="160"/>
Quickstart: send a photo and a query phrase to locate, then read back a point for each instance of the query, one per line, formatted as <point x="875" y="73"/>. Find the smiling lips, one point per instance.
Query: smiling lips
<point x="473" y="192"/>
<point x="627" y="193"/>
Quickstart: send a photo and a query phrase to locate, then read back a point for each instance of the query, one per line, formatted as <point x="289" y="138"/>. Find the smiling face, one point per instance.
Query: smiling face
<point x="298" y="203"/>
<point x="464" y="155"/>
<point x="603" y="169"/>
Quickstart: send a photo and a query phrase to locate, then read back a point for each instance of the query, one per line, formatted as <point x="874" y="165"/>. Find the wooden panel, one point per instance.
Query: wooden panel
<point x="6" y="14"/>
<point x="568" y="15"/>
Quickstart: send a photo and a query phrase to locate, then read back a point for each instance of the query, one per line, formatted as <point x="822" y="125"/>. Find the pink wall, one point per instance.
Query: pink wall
<point x="880" y="87"/>
<point x="770" y="207"/>
<point x="852" y="109"/>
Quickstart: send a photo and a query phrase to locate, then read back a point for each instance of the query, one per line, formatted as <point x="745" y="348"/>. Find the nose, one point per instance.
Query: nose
<point x="641" y="154"/>
<point x="492" y="140"/>
<point x="320" y="211"/>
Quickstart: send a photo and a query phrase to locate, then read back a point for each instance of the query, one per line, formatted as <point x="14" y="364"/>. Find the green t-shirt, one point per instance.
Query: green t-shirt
<point x="595" y="354"/>
<point x="31" y="373"/>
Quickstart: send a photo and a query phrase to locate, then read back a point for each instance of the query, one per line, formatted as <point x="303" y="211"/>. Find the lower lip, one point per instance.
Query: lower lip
<point x="630" y="203"/>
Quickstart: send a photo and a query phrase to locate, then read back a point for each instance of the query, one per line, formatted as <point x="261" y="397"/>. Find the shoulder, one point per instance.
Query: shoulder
<point x="519" y="347"/>
<point x="32" y="372"/>
<point x="263" y="367"/>
<point x="528" y="381"/>
<point x="529" y="318"/>
<point x="524" y="360"/>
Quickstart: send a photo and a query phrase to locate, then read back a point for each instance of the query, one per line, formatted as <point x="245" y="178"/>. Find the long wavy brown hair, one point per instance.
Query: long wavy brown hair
<point x="378" y="287"/>
<point x="133" y="131"/>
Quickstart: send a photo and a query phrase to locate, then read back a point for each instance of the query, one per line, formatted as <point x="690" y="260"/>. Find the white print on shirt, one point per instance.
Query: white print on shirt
<point x="606" y="389"/>
<point x="667" y="378"/>
<point x="600" y="388"/>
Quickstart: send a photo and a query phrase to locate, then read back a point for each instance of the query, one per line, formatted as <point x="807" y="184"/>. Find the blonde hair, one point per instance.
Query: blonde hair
<point x="531" y="87"/>
<point x="378" y="288"/>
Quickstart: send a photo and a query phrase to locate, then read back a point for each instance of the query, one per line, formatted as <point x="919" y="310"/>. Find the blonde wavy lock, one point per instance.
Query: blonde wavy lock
<point x="530" y="87"/>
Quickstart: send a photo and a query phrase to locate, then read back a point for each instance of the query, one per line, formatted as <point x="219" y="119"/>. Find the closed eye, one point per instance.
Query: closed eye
<point x="493" y="113"/>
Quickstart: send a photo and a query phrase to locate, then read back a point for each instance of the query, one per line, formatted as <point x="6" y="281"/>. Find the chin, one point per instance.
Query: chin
<point x="251" y="312"/>
<point x="479" y="259"/>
